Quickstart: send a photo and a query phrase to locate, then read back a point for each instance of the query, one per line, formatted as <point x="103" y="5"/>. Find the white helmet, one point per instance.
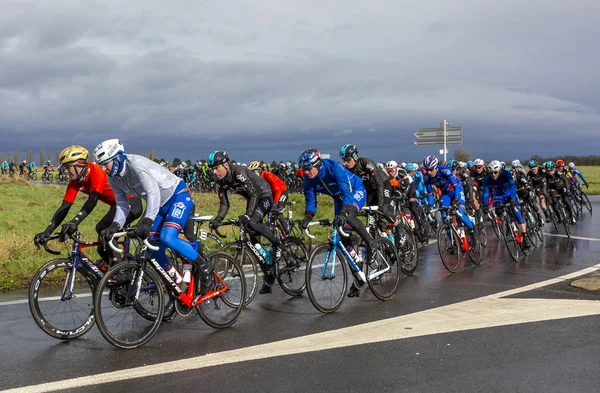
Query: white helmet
<point x="495" y="166"/>
<point x="478" y="162"/>
<point x="403" y="164"/>
<point x="391" y="165"/>
<point x="572" y="165"/>
<point x="108" y="150"/>
<point x="516" y="164"/>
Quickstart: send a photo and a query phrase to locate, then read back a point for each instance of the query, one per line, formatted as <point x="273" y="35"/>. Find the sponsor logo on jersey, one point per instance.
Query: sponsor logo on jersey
<point x="179" y="210"/>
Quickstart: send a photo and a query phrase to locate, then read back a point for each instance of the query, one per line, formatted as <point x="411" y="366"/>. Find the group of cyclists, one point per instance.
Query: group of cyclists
<point x="121" y="180"/>
<point x="24" y="168"/>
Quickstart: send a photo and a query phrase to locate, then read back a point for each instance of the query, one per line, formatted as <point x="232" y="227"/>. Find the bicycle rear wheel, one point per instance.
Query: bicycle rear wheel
<point x="291" y="273"/>
<point x="496" y="227"/>
<point x="449" y="248"/>
<point x="224" y="309"/>
<point x="62" y="319"/>
<point x="532" y="228"/>
<point x="249" y="266"/>
<point x="326" y="278"/>
<point x="122" y="316"/>
<point x="384" y="285"/>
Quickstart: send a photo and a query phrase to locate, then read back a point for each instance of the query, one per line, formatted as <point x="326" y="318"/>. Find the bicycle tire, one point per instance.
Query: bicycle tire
<point x="117" y="291"/>
<point x="384" y="286"/>
<point x="249" y="264"/>
<point x="566" y="221"/>
<point x="449" y="244"/>
<point x="496" y="228"/>
<point x="475" y="252"/>
<point x="586" y="202"/>
<point x="509" y="239"/>
<point x="531" y="228"/>
<point x="291" y="270"/>
<point x="318" y="276"/>
<point x="82" y="320"/>
<point x="406" y="247"/>
<point x="553" y="217"/>
<point x="225" y="309"/>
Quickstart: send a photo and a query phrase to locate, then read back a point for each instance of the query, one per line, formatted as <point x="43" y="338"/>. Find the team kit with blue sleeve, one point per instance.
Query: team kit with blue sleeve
<point x="504" y="190"/>
<point x="451" y="188"/>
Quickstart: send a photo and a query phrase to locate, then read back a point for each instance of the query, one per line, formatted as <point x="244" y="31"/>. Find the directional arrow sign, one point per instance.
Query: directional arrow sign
<point x="438" y="142"/>
<point x="438" y="132"/>
<point x="440" y="137"/>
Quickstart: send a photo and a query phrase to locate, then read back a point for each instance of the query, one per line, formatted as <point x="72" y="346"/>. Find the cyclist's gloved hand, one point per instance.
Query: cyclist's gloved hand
<point x="455" y="203"/>
<point x="244" y="219"/>
<point x="307" y="219"/>
<point x="42" y="237"/>
<point x="341" y="219"/>
<point x="586" y="185"/>
<point x="214" y="224"/>
<point x="68" y="229"/>
<point x="143" y="227"/>
<point x="110" y="231"/>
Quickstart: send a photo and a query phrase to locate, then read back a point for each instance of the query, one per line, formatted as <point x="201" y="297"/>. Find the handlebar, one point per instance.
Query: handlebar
<point x="325" y="223"/>
<point x="126" y="233"/>
<point x="44" y="243"/>
<point x="375" y="209"/>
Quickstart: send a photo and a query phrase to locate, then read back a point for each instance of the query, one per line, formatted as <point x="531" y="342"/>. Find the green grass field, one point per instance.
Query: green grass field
<point x="26" y="209"/>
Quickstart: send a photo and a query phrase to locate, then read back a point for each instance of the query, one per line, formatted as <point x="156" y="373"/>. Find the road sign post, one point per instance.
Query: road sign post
<point x="444" y="135"/>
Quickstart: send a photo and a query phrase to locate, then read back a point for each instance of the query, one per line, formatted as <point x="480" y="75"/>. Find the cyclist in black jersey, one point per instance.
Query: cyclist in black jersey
<point x="537" y="178"/>
<point x="559" y="182"/>
<point x="239" y="179"/>
<point x="374" y="178"/>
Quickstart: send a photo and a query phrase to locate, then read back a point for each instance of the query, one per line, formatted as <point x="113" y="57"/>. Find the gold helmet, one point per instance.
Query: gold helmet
<point x="72" y="154"/>
<point x="254" y="165"/>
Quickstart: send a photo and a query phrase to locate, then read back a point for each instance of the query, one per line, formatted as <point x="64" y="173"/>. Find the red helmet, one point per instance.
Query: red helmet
<point x="560" y="163"/>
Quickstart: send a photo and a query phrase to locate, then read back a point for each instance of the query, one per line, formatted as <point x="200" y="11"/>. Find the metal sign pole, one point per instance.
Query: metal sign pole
<point x="445" y="136"/>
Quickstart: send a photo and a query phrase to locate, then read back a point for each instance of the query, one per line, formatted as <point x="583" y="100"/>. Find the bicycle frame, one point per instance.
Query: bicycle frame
<point x="451" y="220"/>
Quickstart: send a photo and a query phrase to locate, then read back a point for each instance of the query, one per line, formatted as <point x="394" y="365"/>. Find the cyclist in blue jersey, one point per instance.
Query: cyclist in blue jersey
<point x="452" y="191"/>
<point x="501" y="182"/>
<point x="31" y="166"/>
<point x="325" y="176"/>
<point x="576" y="172"/>
<point x="5" y="167"/>
<point x="168" y="205"/>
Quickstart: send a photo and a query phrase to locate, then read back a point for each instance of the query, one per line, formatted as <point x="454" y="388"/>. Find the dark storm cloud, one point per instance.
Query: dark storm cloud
<point x="267" y="79"/>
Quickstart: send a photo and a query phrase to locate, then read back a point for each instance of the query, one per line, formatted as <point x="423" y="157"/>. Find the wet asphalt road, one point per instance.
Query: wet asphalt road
<point x="549" y="356"/>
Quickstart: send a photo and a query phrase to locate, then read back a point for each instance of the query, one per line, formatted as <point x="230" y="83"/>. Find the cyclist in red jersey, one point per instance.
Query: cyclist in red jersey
<point x="278" y="188"/>
<point x="90" y="179"/>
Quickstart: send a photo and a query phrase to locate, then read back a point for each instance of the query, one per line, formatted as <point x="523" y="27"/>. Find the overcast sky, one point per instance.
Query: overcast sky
<point x="267" y="79"/>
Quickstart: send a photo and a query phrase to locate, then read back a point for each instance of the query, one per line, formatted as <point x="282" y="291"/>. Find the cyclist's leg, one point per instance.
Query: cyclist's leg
<point x="283" y="199"/>
<point x="135" y="210"/>
<point x="107" y="254"/>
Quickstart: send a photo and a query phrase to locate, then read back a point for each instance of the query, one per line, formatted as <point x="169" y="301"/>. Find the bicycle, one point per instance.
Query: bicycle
<point x="562" y="213"/>
<point x="453" y="241"/>
<point x="47" y="177"/>
<point x="71" y="314"/>
<point x="119" y="292"/>
<point x="327" y="288"/>
<point x="581" y="198"/>
<point x="509" y="231"/>
<point x="32" y="175"/>
<point x="293" y="253"/>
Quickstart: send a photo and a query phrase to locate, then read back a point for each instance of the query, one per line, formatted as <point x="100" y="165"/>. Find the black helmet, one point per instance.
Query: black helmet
<point x="217" y="158"/>
<point x="349" y="151"/>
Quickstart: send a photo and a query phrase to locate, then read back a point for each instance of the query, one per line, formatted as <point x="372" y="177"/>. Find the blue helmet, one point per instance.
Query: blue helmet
<point x="533" y="164"/>
<point x="470" y="164"/>
<point x="549" y="165"/>
<point x="430" y="162"/>
<point x="410" y="167"/>
<point x="349" y="151"/>
<point x="309" y="159"/>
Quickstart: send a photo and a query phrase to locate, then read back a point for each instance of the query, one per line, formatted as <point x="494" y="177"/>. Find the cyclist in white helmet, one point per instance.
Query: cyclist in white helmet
<point x="169" y="204"/>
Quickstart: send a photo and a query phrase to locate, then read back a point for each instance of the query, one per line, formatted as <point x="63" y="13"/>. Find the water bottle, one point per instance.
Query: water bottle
<point x="461" y="232"/>
<point x="269" y="256"/>
<point x="261" y="251"/>
<point x="352" y="252"/>
<point x="362" y="253"/>
<point x="472" y="218"/>
<point x="390" y="236"/>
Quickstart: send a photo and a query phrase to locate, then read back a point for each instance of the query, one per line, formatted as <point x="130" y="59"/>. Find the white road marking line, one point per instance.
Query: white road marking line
<point x="573" y="237"/>
<point x="484" y="312"/>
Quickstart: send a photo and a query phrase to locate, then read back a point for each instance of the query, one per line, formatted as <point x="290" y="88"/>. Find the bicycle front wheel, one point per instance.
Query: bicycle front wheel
<point x="384" y="278"/>
<point x="249" y="267"/>
<point x="449" y="248"/>
<point x="122" y="306"/>
<point x="586" y="202"/>
<point x="292" y="266"/>
<point x="326" y="278"/>
<point x="511" y="242"/>
<point x="224" y="309"/>
<point x="63" y="318"/>
<point x="407" y="249"/>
